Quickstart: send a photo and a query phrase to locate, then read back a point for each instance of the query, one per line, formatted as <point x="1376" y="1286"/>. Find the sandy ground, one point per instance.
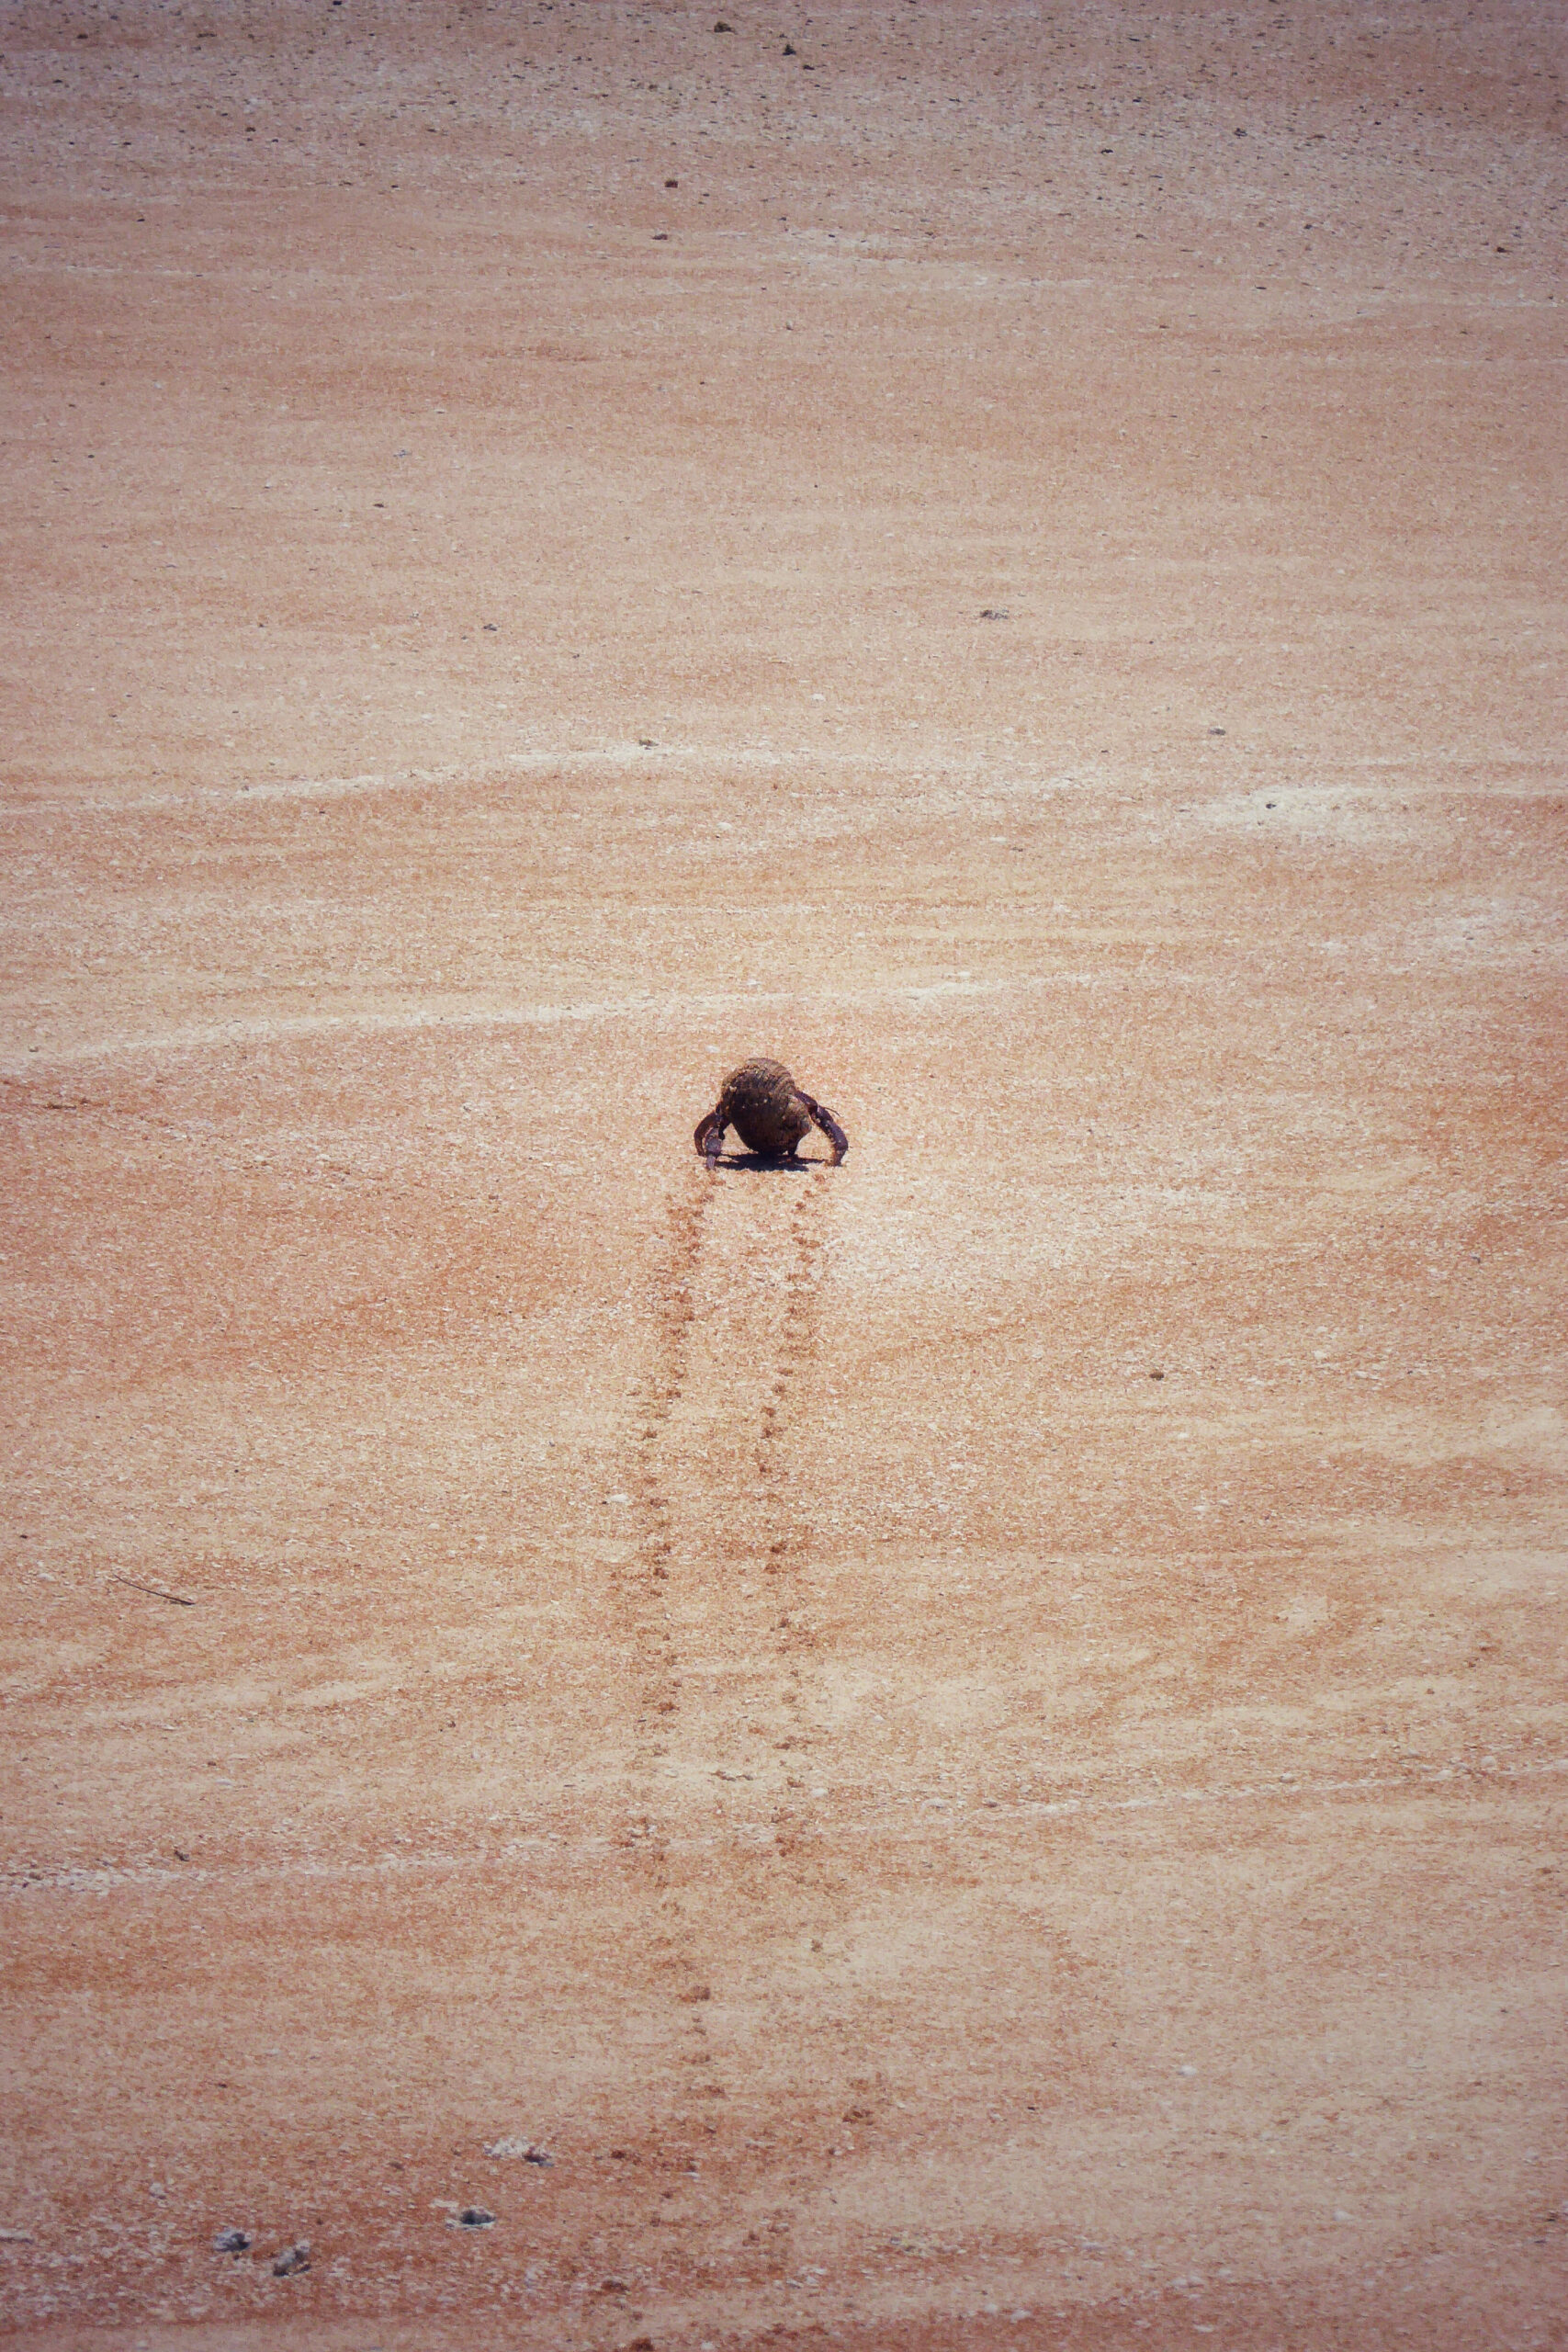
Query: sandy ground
<point x="971" y="1744"/>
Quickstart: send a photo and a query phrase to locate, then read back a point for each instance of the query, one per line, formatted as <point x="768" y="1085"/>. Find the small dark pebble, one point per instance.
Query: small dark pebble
<point x="491" y="629"/>
<point x="671" y="183"/>
<point x="1156" y="1376"/>
<point x="475" y="2216"/>
<point x="1270" y="803"/>
<point x="231" y="2242"/>
<point x="661" y="236"/>
<point x="1216" y="730"/>
<point x="790" y="50"/>
<point x="722" y="27"/>
<point x="995" y="612"/>
<point x="293" y="2258"/>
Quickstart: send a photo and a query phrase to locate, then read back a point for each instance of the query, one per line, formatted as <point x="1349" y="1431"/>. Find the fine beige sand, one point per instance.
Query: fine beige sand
<point x="971" y="1744"/>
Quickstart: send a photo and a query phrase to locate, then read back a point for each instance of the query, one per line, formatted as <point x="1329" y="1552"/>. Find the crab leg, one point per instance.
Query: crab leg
<point x="829" y="1126"/>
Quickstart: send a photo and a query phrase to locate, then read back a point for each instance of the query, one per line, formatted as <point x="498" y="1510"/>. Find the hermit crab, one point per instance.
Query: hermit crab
<point x="769" y="1113"/>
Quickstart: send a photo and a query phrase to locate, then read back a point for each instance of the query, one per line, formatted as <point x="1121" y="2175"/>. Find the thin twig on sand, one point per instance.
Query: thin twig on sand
<point x="155" y="1589"/>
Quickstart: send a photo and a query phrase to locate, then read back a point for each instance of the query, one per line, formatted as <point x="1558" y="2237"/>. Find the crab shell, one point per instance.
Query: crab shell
<point x="761" y="1103"/>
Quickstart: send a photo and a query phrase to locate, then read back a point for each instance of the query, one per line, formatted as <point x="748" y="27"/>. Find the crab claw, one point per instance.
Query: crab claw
<point x="709" y="1136"/>
<point x="829" y="1126"/>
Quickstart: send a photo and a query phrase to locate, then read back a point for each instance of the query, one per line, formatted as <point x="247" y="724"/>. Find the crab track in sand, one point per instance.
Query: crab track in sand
<point x="737" y="1315"/>
<point x="712" y="1588"/>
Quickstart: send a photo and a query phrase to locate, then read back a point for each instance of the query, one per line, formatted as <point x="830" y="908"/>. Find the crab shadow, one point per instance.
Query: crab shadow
<point x="764" y="1163"/>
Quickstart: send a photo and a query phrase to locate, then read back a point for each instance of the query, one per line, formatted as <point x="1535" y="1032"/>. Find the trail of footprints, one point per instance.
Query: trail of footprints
<point x="667" y="1382"/>
<point x="714" y="1579"/>
<point x="711" y="1593"/>
<point x="736" y="1331"/>
<point x="798" y="1338"/>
